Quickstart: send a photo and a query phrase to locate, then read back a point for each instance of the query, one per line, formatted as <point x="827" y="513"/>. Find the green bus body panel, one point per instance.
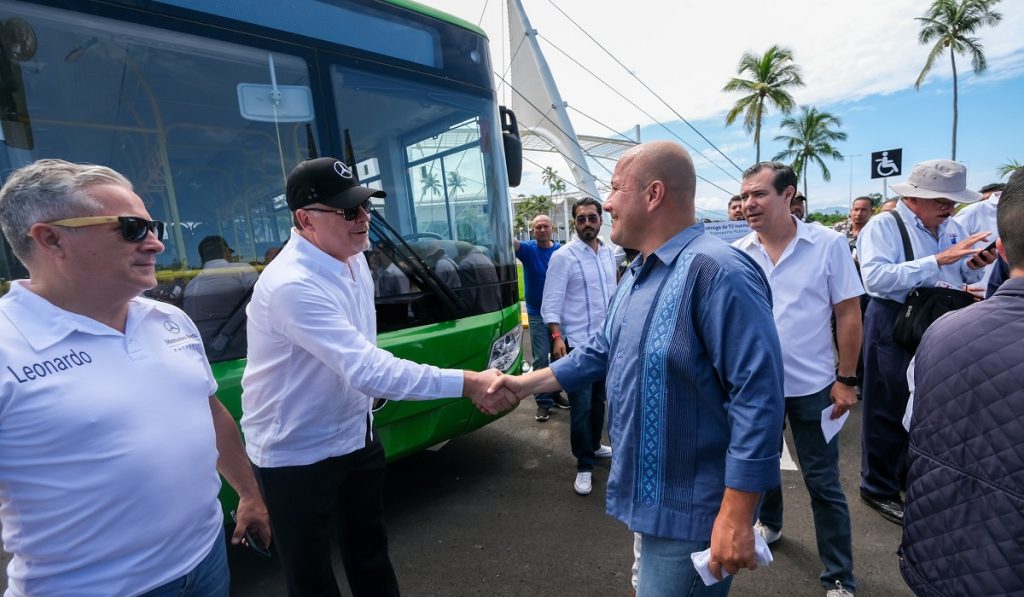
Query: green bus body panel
<point x="437" y="14"/>
<point x="406" y="427"/>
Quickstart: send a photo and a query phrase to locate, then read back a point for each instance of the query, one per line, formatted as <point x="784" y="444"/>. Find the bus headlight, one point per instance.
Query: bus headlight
<point x="505" y="349"/>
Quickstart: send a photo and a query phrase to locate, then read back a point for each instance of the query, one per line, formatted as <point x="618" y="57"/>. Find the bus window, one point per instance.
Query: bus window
<point x="428" y="149"/>
<point x="162" y="108"/>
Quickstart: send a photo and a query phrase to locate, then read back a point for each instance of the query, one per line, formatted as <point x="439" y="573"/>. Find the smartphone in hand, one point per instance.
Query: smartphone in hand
<point x="249" y="541"/>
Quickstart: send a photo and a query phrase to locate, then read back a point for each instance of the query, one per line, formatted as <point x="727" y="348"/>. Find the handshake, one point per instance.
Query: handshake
<point x="492" y="392"/>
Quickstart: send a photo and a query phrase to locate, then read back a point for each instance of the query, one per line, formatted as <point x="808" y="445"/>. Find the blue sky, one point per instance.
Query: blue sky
<point x="990" y="133"/>
<point x="859" y="61"/>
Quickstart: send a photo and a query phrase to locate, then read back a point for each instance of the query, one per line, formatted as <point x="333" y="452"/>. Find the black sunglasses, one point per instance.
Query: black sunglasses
<point x="133" y="228"/>
<point x="349" y="213"/>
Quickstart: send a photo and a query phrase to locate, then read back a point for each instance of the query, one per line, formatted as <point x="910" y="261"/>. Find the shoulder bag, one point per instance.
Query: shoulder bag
<point x="924" y="304"/>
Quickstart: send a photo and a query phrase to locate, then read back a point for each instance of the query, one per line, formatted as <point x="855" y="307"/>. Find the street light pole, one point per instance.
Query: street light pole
<point x="857" y="155"/>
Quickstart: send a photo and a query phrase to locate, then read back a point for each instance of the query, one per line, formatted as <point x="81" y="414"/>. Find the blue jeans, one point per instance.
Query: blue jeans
<point x="209" y="578"/>
<point x="667" y="571"/>
<point x="819" y="463"/>
<point x="586" y="423"/>
<point x="540" y="348"/>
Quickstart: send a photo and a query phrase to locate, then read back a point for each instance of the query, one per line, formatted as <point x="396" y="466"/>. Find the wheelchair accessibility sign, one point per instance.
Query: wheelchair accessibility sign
<point x="886" y="163"/>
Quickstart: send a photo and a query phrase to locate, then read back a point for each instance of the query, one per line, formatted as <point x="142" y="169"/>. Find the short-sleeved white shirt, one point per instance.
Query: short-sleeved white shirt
<point x="313" y="365"/>
<point x="108" y="480"/>
<point x="814" y="273"/>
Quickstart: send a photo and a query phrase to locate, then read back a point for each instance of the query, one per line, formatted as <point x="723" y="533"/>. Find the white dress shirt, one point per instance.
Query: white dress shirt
<point x="313" y="366"/>
<point x="882" y="264"/>
<point x="814" y="273"/>
<point x="981" y="217"/>
<point x="580" y="283"/>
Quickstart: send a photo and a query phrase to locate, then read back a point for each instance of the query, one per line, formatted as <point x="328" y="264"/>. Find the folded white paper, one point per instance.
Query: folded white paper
<point x="830" y="427"/>
<point x="700" y="559"/>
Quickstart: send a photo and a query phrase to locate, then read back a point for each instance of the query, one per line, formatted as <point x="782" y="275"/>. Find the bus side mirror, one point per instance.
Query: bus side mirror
<point x="513" y="146"/>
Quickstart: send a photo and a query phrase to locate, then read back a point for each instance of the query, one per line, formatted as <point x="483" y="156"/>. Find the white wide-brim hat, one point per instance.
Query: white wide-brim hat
<point x="937" y="179"/>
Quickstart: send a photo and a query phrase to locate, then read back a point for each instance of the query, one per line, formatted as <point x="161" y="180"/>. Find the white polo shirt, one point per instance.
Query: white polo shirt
<point x="313" y="365"/>
<point x="814" y="273"/>
<point x="108" y="480"/>
<point x="579" y="285"/>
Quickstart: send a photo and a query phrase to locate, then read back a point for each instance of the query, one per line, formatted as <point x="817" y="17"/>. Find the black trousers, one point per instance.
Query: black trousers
<point x="883" y="470"/>
<point x="343" y="495"/>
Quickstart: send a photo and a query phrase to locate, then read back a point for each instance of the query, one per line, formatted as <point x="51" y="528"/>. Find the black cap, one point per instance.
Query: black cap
<point x="328" y="181"/>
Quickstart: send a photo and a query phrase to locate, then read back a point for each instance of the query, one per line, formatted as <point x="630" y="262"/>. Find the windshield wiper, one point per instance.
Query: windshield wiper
<point x="417" y="269"/>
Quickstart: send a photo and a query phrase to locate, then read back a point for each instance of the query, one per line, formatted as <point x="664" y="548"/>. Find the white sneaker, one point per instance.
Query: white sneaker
<point x="584" y="483"/>
<point x="770" y="535"/>
<point x="839" y="591"/>
<point x="603" y="452"/>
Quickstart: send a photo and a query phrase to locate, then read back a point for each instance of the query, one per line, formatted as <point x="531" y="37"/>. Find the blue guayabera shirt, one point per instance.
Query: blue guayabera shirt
<point x="694" y="381"/>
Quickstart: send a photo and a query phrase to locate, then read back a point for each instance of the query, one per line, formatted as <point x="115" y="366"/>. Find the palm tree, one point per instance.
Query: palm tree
<point x="1009" y="168"/>
<point x="950" y="24"/>
<point x="771" y="74"/>
<point x="431" y="184"/>
<point x="556" y="184"/>
<point x="456" y="182"/>
<point x="551" y="178"/>
<point x="814" y="133"/>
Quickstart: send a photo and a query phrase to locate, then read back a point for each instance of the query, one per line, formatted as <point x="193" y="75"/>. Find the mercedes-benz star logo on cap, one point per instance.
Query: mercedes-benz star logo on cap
<point x="171" y="327"/>
<point x="342" y="170"/>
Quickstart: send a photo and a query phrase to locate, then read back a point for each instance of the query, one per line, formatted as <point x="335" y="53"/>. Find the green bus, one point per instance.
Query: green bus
<point x="206" y="105"/>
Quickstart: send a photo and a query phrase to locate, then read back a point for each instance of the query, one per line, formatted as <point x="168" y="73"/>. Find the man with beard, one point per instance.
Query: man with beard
<point x="735" y="209"/>
<point x="580" y="282"/>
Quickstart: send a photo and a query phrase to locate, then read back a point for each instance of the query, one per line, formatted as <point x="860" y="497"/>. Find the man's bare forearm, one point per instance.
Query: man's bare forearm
<point x="849" y="330"/>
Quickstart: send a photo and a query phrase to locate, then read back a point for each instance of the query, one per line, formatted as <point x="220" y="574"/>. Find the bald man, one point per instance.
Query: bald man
<point x="535" y="255"/>
<point x="693" y="368"/>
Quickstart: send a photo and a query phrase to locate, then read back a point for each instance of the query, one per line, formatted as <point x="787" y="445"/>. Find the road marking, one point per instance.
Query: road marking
<point x="786" y="463"/>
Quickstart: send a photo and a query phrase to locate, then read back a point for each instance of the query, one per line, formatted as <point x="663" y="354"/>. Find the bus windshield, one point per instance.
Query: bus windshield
<point x="178" y="114"/>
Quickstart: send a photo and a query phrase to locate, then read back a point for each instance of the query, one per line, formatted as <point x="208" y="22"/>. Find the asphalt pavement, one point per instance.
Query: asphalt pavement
<point x="494" y="514"/>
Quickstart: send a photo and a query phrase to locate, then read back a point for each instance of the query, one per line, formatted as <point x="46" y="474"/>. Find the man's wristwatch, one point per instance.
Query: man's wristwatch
<point x="848" y="381"/>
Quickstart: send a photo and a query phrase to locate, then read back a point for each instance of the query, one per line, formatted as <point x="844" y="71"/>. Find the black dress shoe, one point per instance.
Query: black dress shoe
<point x="891" y="509"/>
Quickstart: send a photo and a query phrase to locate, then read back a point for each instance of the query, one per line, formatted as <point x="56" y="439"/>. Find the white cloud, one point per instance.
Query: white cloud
<point x="687" y="51"/>
<point x="711" y="207"/>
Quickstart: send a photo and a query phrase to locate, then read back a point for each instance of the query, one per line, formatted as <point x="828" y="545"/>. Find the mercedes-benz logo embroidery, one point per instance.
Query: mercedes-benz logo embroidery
<point x="342" y="170"/>
<point x="171" y="327"/>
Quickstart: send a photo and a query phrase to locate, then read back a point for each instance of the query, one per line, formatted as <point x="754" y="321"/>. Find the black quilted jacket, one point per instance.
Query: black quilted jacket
<point x="963" y="529"/>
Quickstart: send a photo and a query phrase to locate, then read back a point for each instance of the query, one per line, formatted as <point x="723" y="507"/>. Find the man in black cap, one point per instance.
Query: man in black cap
<point x="313" y="370"/>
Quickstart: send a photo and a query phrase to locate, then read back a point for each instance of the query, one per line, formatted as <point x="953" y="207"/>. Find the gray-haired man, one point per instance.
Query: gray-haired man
<point x="112" y="435"/>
